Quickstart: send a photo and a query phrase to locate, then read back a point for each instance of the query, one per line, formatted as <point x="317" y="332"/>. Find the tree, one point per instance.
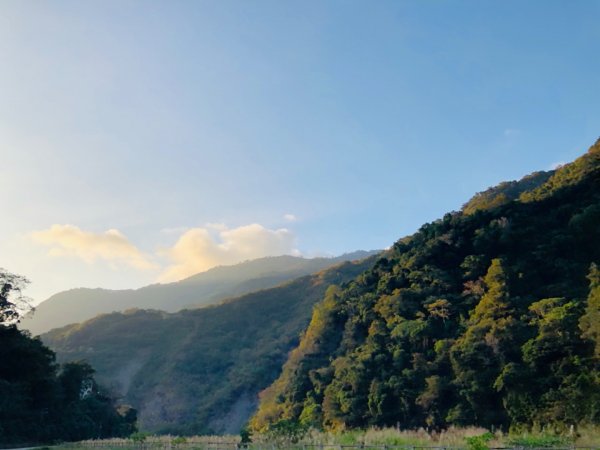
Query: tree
<point x="558" y="360"/>
<point x="86" y="412"/>
<point x="590" y="321"/>
<point x="28" y="390"/>
<point x="13" y="305"/>
<point x="77" y="381"/>
<point x="480" y="353"/>
<point x="39" y="404"/>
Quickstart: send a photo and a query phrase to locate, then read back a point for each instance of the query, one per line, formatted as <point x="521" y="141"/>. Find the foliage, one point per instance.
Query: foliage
<point x="590" y="321"/>
<point x="245" y="435"/>
<point x="41" y="401"/>
<point x="451" y="325"/>
<point x="505" y="192"/>
<point x="199" y="371"/>
<point x="479" y="442"/>
<point x="484" y="348"/>
<point x="139" y="437"/>
<point x="567" y="176"/>
<point x="285" y="432"/>
<point x="13" y="305"/>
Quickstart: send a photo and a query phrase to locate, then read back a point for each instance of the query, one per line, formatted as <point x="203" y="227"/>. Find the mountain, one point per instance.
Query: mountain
<point x="202" y="289"/>
<point x="505" y="192"/>
<point x="488" y="316"/>
<point x="199" y="371"/>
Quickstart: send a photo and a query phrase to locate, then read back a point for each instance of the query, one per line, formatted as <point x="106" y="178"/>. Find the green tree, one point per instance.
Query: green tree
<point x="480" y="353"/>
<point x="590" y="321"/>
<point x="77" y="381"/>
<point x="564" y="392"/>
<point x="39" y="403"/>
<point x="29" y="393"/>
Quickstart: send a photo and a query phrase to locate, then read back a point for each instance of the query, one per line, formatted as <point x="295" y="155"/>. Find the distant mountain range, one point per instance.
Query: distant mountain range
<point x="212" y="286"/>
<point x="200" y="370"/>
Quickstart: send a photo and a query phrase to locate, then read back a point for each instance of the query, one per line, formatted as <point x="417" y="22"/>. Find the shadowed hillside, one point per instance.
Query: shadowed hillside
<point x="199" y="371"/>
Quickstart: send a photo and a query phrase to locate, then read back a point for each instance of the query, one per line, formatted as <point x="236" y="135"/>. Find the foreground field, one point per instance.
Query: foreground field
<point x="388" y="438"/>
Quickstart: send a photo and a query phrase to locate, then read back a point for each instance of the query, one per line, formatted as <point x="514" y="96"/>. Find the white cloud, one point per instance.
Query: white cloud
<point x="557" y="165"/>
<point x="199" y="249"/>
<point x="196" y="250"/>
<point x="290" y="217"/>
<point x="111" y="246"/>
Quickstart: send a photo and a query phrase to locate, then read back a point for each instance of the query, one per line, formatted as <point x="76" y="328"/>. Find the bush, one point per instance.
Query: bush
<point x="479" y="442"/>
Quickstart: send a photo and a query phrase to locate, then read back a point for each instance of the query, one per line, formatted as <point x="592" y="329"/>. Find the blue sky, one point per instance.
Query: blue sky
<point x="143" y="140"/>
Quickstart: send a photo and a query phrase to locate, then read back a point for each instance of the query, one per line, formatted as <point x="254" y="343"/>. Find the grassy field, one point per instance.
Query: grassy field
<point x="457" y="438"/>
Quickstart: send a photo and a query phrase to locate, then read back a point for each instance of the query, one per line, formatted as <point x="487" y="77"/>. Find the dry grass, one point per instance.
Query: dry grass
<point x="162" y="441"/>
<point x="452" y="437"/>
<point x="586" y="436"/>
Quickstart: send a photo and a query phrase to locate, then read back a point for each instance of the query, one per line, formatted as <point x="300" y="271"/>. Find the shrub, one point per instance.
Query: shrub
<point x="479" y="442"/>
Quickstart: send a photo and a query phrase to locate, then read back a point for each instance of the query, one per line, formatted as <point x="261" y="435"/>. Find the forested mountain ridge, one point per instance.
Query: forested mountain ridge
<point x="210" y="287"/>
<point x="485" y="317"/>
<point x="199" y="371"/>
<point x="505" y="192"/>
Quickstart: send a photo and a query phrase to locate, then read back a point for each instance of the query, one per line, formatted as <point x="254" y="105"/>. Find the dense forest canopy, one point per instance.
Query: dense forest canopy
<point x="488" y="317"/>
<point x="40" y="401"/>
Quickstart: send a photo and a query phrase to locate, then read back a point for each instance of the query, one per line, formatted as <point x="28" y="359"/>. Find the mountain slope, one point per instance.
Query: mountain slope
<point x="199" y="371"/>
<point x="480" y="318"/>
<point x="505" y="192"/>
<point x="205" y="288"/>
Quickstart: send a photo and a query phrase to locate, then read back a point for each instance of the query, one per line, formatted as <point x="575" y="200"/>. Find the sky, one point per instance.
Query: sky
<point x="145" y="141"/>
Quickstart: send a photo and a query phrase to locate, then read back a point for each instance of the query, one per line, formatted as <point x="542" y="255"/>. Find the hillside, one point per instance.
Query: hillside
<point x="202" y="289"/>
<point x="505" y="192"/>
<point x="199" y="371"/>
<point x="485" y="317"/>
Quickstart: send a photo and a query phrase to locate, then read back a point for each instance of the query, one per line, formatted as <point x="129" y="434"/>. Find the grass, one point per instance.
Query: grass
<point x="392" y="437"/>
<point x="464" y="438"/>
<point x="540" y="441"/>
<point x="156" y="442"/>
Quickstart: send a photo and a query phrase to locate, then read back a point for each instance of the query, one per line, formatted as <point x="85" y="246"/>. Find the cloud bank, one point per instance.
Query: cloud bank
<point x="111" y="246"/>
<point x="199" y="249"/>
<point x="196" y="250"/>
